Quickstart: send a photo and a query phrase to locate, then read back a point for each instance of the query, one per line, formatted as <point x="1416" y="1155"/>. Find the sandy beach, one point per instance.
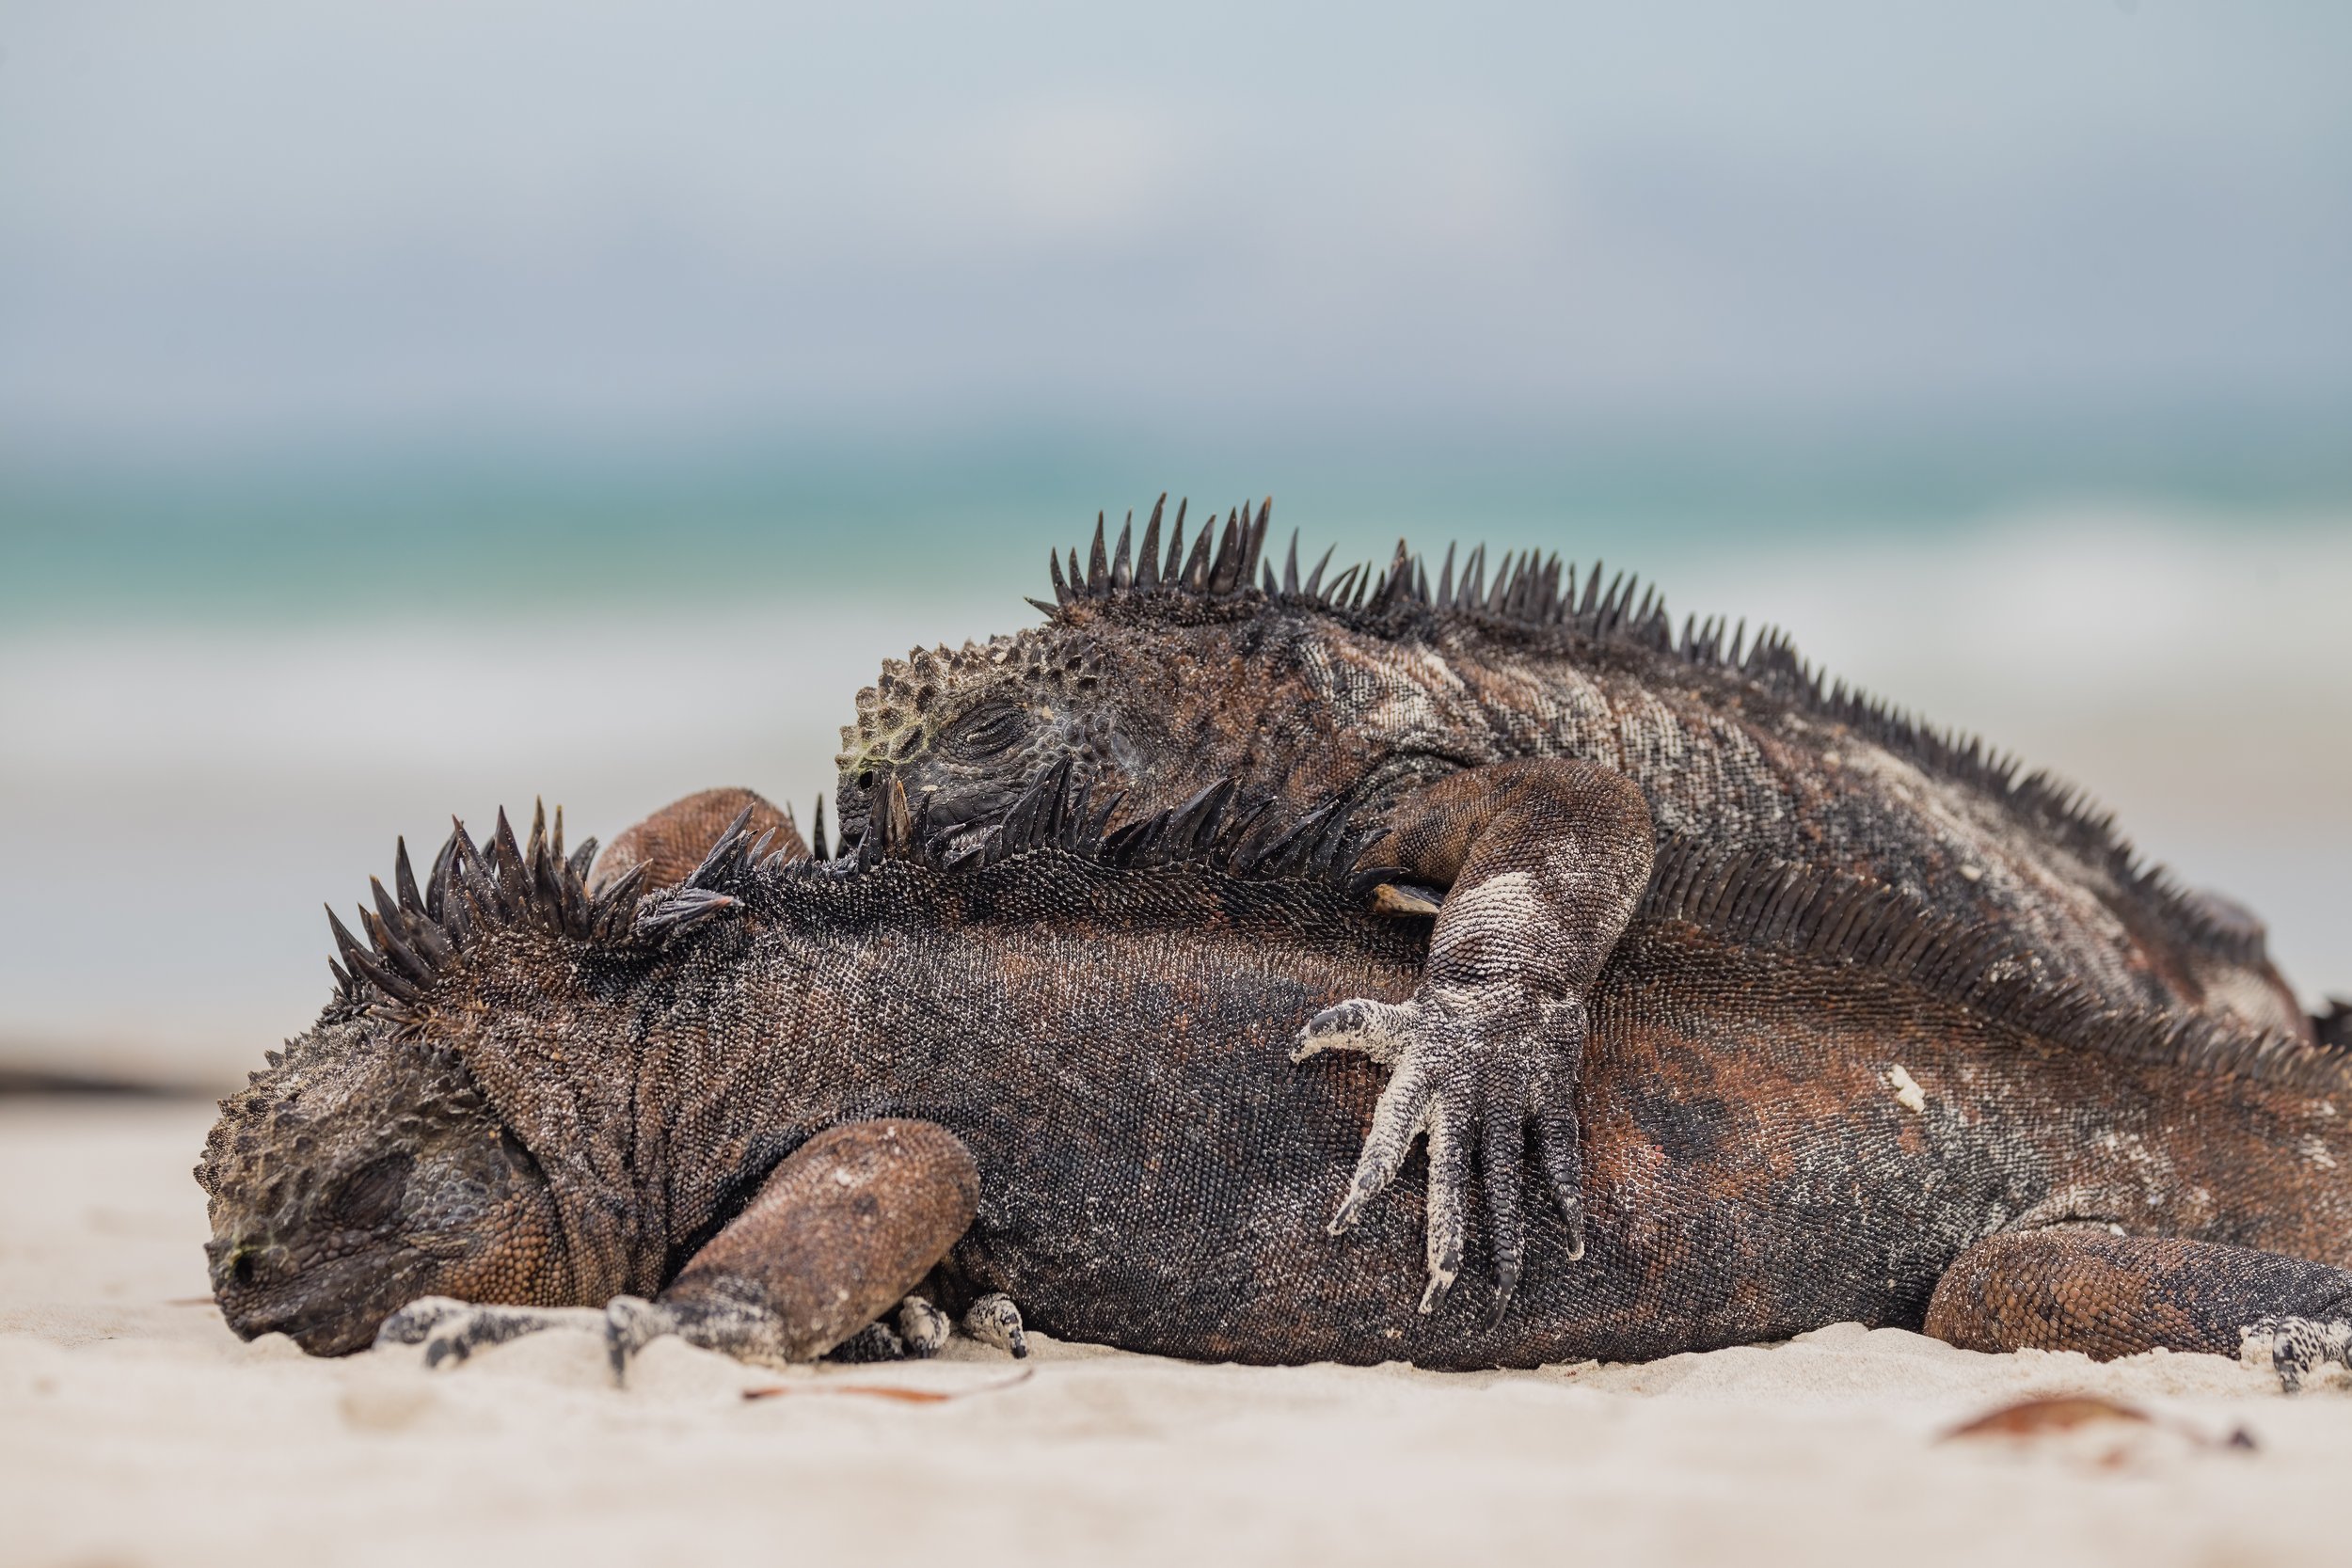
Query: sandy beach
<point x="134" y="1429"/>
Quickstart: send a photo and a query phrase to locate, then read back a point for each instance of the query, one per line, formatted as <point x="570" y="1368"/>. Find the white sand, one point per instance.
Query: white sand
<point x="134" y="1429"/>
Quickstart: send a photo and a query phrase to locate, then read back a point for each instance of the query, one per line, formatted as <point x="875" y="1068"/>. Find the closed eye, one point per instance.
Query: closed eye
<point x="987" y="730"/>
<point x="372" y="1193"/>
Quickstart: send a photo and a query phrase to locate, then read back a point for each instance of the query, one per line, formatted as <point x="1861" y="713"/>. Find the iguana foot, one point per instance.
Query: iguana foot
<point x="993" y="1320"/>
<point x="913" y="1332"/>
<point x="922" y="1327"/>
<point x="452" y="1330"/>
<point x="876" y="1341"/>
<point x="2295" y="1348"/>
<point x="1470" y="1067"/>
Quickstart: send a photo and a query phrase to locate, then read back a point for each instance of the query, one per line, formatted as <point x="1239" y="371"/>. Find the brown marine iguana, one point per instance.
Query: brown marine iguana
<point x="1453" y="712"/>
<point x="738" y="1109"/>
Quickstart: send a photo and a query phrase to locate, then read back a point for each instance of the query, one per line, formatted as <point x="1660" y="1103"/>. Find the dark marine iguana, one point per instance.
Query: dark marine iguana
<point x="1453" y="713"/>
<point x="754" y="1107"/>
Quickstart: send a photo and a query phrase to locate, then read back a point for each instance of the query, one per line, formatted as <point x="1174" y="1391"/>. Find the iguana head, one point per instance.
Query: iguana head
<point x="1151" y="678"/>
<point x="362" y="1171"/>
<point x="377" y="1159"/>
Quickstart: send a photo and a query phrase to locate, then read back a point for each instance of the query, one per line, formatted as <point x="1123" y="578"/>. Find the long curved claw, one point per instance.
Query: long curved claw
<point x="1503" y="1162"/>
<point x="1469" y="1071"/>
<point x="1448" y="1200"/>
<point x="1399" y="1118"/>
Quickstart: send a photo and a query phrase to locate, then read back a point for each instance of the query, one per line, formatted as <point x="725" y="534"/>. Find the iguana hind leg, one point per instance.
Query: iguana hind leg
<point x="2108" y="1296"/>
<point x="1545" y="861"/>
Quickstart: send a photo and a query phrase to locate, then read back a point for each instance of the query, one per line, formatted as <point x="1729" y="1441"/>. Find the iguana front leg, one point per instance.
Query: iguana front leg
<point x="841" y="1231"/>
<point x="1545" y="861"/>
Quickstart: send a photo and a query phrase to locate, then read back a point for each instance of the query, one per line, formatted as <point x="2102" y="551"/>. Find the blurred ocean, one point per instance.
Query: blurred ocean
<point x="220" y="704"/>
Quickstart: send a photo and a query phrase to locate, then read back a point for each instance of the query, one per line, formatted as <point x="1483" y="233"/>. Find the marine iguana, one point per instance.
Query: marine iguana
<point x="752" y="1108"/>
<point x="1450" y="712"/>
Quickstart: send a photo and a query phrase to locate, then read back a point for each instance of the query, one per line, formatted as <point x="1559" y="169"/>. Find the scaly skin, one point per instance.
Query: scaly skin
<point x="1109" y="1044"/>
<point x="1157" y="679"/>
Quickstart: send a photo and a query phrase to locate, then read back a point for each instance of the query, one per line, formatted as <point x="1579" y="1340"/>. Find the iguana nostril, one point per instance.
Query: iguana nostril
<point x="241" y="1268"/>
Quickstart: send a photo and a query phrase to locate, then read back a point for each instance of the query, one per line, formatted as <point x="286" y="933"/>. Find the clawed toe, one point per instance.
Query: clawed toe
<point x="993" y="1320"/>
<point x="2296" y="1349"/>
<point x="1377" y="1029"/>
<point x="452" y="1330"/>
<point x="922" y="1327"/>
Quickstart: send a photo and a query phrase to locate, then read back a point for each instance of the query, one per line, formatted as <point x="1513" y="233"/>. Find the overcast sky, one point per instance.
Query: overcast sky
<point x="276" y="225"/>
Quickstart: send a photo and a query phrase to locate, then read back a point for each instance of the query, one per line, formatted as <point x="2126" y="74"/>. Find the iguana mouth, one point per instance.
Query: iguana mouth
<point x="329" y="1311"/>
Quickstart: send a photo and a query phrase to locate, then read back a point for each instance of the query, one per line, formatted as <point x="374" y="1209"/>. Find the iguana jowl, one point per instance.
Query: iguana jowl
<point x="749" y="1098"/>
<point x="1452" y="712"/>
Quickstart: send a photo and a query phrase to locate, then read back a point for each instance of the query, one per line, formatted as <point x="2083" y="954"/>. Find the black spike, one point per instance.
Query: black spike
<point x="1225" y="570"/>
<point x="405" y="877"/>
<point x="1473" y="590"/>
<point x="728" y="845"/>
<point x="1501" y="593"/>
<point x="1148" y="557"/>
<point x="682" y="910"/>
<point x="448" y="866"/>
<point x="1314" y="579"/>
<point x="385" y="904"/>
<point x="345" y="943"/>
<point x="387" y="942"/>
<point x="511" y="873"/>
<point x="1254" y="542"/>
<point x="1170" y="571"/>
<point x="1193" y="825"/>
<point x="362" y="962"/>
<point x="1340" y="598"/>
<point x="1266" y="582"/>
<point x="1196" y="573"/>
<point x="583" y="859"/>
<point x="1290" y="566"/>
<point x="1123" y="563"/>
<point x="1098" y="563"/>
<point x="1393" y="581"/>
<point x="610" y="914"/>
<point x="817" y="850"/>
<point x="1061" y="589"/>
<point x="1444" y="599"/>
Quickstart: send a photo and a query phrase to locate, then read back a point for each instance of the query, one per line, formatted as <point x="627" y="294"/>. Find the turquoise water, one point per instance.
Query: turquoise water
<point x="321" y="536"/>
